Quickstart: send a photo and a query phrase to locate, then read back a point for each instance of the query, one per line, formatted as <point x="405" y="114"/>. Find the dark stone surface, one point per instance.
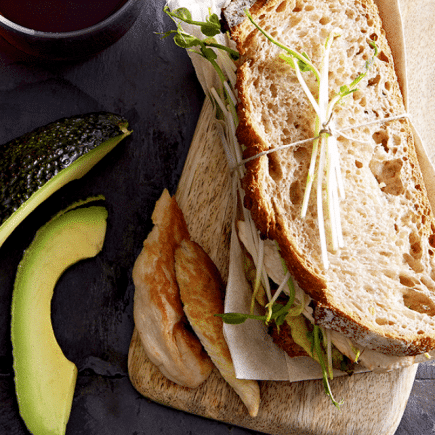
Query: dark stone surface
<point x="152" y="83"/>
<point x="419" y="415"/>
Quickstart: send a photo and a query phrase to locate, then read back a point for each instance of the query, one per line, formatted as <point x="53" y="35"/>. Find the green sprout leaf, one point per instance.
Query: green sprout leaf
<point x="212" y="26"/>
<point x="304" y="66"/>
<point x="276" y="312"/>
<point x="317" y="348"/>
<point x="208" y="53"/>
<point x="302" y="57"/>
<point x="185" y="40"/>
<point x="290" y="59"/>
<point x="238" y="318"/>
<point x="182" y="14"/>
<point x="233" y="318"/>
<point x="348" y="89"/>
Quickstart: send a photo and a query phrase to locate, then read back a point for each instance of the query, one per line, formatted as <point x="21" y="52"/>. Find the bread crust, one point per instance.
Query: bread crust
<point x="402" y="177"/>
<point x="366" y="338"/>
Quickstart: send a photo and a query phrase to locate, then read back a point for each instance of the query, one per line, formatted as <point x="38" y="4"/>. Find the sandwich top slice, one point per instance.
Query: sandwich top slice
<point x="378" y="288"/>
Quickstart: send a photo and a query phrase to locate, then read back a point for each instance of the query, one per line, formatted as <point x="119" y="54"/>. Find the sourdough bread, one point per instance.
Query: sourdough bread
<point x="379" y="289"/>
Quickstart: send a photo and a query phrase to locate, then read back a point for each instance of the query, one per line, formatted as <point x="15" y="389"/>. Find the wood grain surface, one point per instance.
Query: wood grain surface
<point x="373" y="403"/>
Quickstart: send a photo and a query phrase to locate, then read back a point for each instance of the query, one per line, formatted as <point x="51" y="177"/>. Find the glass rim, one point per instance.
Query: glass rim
<point x="64" y="35"/>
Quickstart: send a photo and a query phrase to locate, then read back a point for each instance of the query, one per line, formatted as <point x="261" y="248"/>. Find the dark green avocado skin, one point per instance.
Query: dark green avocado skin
<point x="31" y="160"/>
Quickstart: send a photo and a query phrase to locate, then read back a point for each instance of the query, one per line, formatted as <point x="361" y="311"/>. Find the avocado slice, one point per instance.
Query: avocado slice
<point x="44" y="378"/>
<point x="37" y="164"/>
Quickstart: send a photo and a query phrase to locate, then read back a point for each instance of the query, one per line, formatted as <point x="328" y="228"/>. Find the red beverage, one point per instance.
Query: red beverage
<point x="58" y="15"/>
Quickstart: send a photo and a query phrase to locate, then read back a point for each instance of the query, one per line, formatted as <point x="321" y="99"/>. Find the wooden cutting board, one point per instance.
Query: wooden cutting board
<point x="373" y="403"/>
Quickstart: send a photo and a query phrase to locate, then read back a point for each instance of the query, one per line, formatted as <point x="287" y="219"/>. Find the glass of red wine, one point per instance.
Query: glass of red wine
<point x="66" y="29"/>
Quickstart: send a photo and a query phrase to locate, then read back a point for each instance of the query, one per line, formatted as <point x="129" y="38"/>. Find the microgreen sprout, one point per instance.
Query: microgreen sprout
<point x="355" y="350"/>
<point x="346" y="90"/>
<point x="277" y="314"/>
<point x="304" y="62"/>
<point x="257" y="275"/>
<point x="206" y="48"/>
<point x="326" y="372"/>
<point x="210" y="27"/>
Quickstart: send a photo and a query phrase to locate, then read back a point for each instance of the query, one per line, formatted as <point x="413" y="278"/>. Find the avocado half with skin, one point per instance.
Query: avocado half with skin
<point x="44" y="378"/>
<point x="37" y="164"/>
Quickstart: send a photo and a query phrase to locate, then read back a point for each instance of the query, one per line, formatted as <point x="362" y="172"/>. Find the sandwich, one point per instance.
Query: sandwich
<point x="334" y="219"/>
<point x="367" y="264"/>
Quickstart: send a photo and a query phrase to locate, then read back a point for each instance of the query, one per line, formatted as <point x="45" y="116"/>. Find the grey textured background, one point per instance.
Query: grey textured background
<point x="150" y="82"/>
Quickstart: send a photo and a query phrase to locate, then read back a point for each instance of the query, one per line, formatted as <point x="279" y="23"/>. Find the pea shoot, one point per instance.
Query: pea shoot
<point x="210" y="28"/>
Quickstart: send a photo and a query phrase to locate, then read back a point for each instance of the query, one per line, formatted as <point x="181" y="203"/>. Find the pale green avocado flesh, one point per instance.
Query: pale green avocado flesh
<point x="44" y="378"/>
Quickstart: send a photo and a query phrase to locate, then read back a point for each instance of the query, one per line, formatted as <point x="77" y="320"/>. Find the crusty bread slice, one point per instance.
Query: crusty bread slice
<point x="379" y="290"/>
